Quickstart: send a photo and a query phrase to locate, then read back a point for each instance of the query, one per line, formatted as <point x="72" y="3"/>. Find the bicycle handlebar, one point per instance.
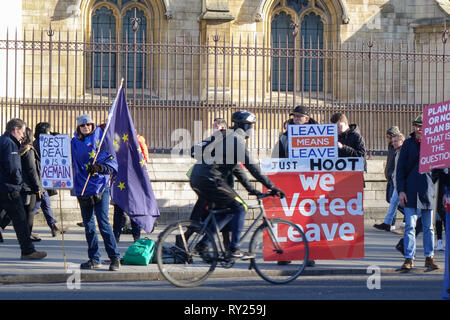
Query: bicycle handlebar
<point x="265" y="195"/>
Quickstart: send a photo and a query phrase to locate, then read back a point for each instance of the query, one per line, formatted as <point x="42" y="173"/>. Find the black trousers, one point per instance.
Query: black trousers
<point x="15" y="210"/>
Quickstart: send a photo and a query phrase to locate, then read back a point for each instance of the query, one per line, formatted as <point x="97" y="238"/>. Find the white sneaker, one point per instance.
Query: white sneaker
<point x="440" y="245"/>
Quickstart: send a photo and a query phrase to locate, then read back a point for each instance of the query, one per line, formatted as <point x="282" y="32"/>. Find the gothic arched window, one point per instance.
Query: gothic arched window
<point x="112" y="22"/>
<point x="312" y="37"/>
<point x="310" y="75"/>
<point x="104" y="31"/>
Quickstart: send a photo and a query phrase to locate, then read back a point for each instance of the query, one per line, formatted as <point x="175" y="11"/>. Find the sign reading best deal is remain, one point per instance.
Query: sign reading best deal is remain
<point x="324" y="196"/>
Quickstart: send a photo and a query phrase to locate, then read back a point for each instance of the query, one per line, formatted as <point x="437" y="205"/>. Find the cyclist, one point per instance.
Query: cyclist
<point x="220" y="159"/>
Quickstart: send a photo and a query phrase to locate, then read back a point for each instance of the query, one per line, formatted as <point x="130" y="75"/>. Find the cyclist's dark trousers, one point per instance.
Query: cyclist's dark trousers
<point x="217" y="191"/>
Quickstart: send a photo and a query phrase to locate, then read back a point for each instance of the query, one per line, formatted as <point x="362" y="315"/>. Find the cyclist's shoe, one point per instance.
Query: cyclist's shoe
<point x="238" y="254"/>
<point x="179" y="241"/>
<point x="200" y="248"/>
<point x="203" y="250"/>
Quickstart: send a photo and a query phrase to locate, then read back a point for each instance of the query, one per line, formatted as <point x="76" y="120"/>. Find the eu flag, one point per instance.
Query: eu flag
<point x="131" y="189"/>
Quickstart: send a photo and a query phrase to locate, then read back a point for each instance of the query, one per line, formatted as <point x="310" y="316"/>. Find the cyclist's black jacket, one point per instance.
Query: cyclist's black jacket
<point x="221" y="157"/>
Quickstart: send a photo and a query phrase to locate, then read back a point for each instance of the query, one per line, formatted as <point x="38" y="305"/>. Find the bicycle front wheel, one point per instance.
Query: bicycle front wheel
<point x="179" y="259"/>
<point x="281" y="251"/>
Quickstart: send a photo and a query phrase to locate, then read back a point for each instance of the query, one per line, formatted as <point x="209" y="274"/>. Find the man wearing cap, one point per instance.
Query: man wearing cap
<point x="300" y="115"/>
<point x="416" y="194"/>
<point x="93" y="197"/>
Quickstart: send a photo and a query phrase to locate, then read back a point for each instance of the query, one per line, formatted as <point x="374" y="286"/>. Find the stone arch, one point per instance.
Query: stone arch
<point x="265" y="7"/>
<point x="330" y="13"/>
<point x="160" y="11"/>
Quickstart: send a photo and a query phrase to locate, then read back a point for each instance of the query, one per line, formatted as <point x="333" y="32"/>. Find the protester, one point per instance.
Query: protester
<point x="389" y="221"/>
<point x="416" y="194"/>
<point x="445" y="177"/>
<point x="144" y="147"/>
<point x="11" y="185"/>
<point x="390" y="161"/>
<point x="119" y="217"/>
<point x="94" y="199"/>
<point x="44" y="128"/>
<point x="32" y="189"/>
<point x="439" y="175"/>
<point x="300" y="115"/>
<point x="119" y="221"/>
<point x="350" y="141"/>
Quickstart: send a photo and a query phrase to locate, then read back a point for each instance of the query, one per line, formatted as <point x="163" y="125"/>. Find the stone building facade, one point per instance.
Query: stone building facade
<point x="257" y="23"/>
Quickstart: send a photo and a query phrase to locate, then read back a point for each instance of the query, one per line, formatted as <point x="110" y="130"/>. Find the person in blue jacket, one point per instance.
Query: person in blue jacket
<point x="95" y="198"/>
<point x="416" y="194"/>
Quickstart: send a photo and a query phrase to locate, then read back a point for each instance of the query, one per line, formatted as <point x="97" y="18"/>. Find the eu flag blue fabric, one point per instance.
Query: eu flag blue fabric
<point x="131" y="189"/>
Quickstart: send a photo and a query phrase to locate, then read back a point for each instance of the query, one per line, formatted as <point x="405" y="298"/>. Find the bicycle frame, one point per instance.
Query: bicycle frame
<point x="262" y="215"/>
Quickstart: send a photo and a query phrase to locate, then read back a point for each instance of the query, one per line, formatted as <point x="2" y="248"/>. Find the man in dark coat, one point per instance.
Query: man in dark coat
<point x="350" y="141"/>
<point x="11" y="185"/>
<point x="300" y="115"/>
<point x="416" y="194"/>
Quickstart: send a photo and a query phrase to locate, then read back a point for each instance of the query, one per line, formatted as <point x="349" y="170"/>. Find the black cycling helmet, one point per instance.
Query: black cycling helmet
<point x="243" y="117"/>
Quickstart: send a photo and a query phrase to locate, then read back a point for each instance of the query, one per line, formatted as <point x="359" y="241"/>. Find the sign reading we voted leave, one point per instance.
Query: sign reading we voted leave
<point x="325" y="198"/>
<point x="312" y="141"/>
<point x="56" y="161"/>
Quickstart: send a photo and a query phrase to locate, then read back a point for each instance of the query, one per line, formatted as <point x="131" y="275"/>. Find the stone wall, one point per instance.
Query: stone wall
<point x="175" y="197"/>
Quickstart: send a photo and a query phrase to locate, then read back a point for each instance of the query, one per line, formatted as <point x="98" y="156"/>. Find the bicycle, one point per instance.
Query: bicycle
<point x="185" y="266"/>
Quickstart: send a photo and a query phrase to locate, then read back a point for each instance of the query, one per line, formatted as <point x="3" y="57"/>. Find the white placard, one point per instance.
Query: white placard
<point x="307" y="141"/>
<point x="56" y="161"/>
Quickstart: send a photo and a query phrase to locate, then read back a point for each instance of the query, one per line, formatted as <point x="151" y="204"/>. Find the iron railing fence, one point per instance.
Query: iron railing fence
<point x="178" y="85"/>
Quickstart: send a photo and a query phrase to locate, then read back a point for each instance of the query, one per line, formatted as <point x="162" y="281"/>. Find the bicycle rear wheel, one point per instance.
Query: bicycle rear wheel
<point x="283" y="260"/>
<point x="178" y="259"/>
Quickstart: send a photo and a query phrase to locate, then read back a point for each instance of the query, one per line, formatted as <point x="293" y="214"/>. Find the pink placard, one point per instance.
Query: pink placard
<point x="435" y="143"/>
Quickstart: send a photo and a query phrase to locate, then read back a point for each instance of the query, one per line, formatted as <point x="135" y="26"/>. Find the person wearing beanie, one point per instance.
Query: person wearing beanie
<point x="416" y="194"/>
<point x="91" y="187"/>
<point x="388" y="171"/>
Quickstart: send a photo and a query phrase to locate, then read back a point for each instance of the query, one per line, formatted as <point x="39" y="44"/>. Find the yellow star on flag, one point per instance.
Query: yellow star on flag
<point x="125" y="137"/>
<point x="142" y="162"/>
<point x="116" y="144"/>
<point x="121" y="186"/>
<point x="92" y="154"/>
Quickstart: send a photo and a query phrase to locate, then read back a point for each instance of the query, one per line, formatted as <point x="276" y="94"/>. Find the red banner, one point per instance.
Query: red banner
<point x="328" y="206"/>
<point x="435" y="143"/>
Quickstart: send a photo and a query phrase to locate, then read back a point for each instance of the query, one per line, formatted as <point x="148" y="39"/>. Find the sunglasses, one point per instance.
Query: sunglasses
<point x="84" y="125"/>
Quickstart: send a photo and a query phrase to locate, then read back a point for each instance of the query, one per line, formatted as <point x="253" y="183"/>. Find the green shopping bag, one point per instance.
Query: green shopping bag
<point x="140" y="253"/>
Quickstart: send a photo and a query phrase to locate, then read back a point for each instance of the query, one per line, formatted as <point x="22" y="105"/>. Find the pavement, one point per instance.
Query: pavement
<point x="64" y="257"/>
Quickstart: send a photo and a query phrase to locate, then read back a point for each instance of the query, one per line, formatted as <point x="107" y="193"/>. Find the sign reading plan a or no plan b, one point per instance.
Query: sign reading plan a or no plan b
<point x="56" y="161"/>
<point x="312" y="141"/>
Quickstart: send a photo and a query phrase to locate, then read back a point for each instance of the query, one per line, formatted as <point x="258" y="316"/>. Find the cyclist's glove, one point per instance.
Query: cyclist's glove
<point x="254" y="192"/>
<point x="277" y="192"/>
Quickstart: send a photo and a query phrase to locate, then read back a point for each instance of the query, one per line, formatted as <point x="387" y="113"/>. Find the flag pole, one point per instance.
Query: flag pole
<point x="104" y="133"/>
